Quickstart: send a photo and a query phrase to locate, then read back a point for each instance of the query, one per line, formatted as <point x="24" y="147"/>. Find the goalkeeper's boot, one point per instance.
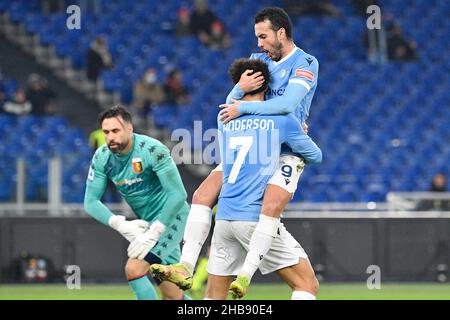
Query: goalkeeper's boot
<point x="178" y="274"/>
<point x="238" y="287"/>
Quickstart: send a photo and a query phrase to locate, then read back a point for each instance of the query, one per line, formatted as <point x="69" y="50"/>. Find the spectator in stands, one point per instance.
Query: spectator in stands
<point x="183" y="26"/>
<point x="201" y="20"/>
<point x="438" y="184"/>
<point x="375" y="40"/>
<point x="311" y="7"/>
<point x="98" y="58"/>
<point x="91" y="6"/>
<point x="19" y="105"/>
<point x="148" y="92"/>
<point x="53" y="6"/>
<point x="399" y="48"/>
<point x="40" y="95"/>
<point x="219" y="38"/>
<point x="362" y="5"/>
<point x="176" y="92"/>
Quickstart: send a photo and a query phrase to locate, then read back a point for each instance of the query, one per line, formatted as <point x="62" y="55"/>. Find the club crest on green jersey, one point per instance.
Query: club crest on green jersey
<point x="137" y="165"/>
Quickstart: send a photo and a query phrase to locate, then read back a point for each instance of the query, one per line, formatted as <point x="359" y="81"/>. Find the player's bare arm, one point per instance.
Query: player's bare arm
<point x="285" y="103"/>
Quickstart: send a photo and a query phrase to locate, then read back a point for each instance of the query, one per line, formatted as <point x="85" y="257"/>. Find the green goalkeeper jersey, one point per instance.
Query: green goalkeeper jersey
<point x="147" y="178"/>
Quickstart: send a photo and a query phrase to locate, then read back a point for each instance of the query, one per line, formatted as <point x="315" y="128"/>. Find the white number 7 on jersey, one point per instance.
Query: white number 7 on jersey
<point x="245" y="143"/>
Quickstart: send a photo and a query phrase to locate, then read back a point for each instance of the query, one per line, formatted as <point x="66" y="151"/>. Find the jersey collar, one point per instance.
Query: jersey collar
<point x="287" y="57"/>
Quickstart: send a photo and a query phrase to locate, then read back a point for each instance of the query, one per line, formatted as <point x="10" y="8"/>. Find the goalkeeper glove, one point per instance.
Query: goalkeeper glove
<point x="128" y="229"/>
<point x="144" y="242"/>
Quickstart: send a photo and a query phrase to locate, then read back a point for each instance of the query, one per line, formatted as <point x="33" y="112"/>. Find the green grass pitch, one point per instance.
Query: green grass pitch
<point x="328" y="291"/>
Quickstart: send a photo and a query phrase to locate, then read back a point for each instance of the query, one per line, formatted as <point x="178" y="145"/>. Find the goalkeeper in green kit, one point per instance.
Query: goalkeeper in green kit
<point x="144" y="173"/>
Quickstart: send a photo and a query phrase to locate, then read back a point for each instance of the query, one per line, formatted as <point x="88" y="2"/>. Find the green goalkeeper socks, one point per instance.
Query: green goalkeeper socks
<point x="143" y="288"/>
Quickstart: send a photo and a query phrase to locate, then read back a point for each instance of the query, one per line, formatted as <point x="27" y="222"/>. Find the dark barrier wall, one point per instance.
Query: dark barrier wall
<point x="341" y="249"/>
<point x="404" y="249"/>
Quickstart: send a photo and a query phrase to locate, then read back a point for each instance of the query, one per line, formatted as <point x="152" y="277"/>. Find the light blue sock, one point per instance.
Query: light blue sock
<point x="143" y="288"/>
<point x="186" y="297"/>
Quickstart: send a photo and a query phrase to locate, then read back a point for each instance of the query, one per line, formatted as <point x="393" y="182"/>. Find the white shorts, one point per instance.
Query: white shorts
<point x="286" y="176"/>
<point x="230" y="244"/>
<point x="288" y="173"/>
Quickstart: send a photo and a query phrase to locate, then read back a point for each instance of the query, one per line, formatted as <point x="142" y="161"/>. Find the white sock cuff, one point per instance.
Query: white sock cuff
<point x="200" y="213"/>
<point x="302" y="295"/>
<point x="267" y="225"/>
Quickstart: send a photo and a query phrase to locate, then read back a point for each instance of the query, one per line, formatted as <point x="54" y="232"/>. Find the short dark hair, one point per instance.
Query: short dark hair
<point x="114" y="112"/>
<point x="239" y="66"/>
<point x="278" y="17"/>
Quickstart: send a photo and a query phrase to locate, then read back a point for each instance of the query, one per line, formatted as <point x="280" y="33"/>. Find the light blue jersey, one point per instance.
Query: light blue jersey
<point x="297" y="68"/>
<point x="292" y="87"/>
<point x="250" y="150"/>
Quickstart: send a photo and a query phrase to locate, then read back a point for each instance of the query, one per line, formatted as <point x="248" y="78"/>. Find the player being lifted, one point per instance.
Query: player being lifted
<point x="294" y="76"/>
<point x="250" y="150"/>
<point x="144" y="173"/>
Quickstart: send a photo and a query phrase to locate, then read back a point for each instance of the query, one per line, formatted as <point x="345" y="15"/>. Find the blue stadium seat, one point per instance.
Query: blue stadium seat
<point x="367" y="130"/>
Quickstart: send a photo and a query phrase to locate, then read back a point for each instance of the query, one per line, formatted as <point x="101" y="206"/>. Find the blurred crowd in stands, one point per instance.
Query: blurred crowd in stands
<point x="203" y="23"/>
<point x="36" y="98"/>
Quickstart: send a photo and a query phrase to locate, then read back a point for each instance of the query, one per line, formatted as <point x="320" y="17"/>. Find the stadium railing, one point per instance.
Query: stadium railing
<point x="399" y="204"/>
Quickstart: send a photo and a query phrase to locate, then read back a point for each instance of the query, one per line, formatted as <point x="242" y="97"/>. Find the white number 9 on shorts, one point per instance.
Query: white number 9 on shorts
<point x="288" y="173"/>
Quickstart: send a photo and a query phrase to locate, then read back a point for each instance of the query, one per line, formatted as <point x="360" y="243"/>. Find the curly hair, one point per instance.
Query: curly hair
<point x="239" y="66"/>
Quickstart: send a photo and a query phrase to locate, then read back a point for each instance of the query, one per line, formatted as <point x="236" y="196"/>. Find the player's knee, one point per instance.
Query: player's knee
<point x="314" y="285"/>
<point x="134" y="269"/>
<point x="211" y="294"/>
<point x="309" y="284"/>
<point x="169" y="293"/>
<point x="272" y="208"/>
